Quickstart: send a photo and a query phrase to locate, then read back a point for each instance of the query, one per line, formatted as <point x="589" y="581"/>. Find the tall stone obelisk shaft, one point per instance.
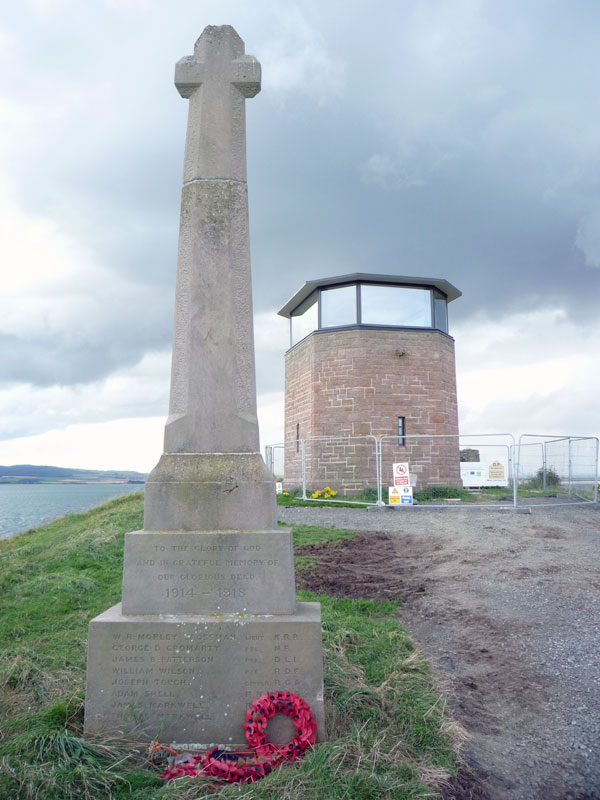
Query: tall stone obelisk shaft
<point x="211" y="469"/>
<point x="213" y="392"/>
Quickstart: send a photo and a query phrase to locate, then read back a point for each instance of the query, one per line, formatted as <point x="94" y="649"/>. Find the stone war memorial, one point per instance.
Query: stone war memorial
<point x="208" y="620"/>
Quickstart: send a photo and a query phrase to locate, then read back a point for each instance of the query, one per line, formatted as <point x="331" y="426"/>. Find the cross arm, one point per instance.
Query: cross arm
<point x="189" y="74"/>
<point x="246" y="75"/>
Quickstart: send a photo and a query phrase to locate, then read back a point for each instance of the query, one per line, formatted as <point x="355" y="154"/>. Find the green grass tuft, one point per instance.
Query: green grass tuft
<point x="388" y="734"/>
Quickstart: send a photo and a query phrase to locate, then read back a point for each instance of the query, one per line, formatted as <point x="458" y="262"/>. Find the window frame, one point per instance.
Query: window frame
<point x="402" y="436"/>
<point x="316" y="297"/>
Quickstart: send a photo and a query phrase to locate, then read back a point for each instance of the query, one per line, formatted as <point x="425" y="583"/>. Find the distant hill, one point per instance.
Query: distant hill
<point x="31" y="473"/>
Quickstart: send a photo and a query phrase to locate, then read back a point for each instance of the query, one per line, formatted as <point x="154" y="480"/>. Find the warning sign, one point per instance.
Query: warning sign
<point x="401" y="474"/>
<point x="394" y="496"/>
<point x="406" y="496"/>
<point x="400" y="495"/>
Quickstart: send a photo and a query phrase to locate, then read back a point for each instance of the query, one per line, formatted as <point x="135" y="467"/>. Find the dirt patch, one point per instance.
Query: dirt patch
<point x="363" y="567"/>
<point x="368" y="567"/>
<point x="507" y="607"/>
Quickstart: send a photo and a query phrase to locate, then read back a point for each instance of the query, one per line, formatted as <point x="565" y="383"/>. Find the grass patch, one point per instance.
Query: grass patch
<point x="441" y="493"/>
<point x="284" y="500"/>
<point x="388" y="734"/>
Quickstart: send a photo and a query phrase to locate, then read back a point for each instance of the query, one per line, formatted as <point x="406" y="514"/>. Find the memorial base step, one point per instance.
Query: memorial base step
<point x="188" y="679"/>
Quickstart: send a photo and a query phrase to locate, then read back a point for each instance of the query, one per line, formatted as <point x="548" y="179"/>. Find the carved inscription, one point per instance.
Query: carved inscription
<point x="278" y="654"/>
<point x="160" y="669"/>
<point x="164" y="673"/>
<point x="194" y="676"/>
<point x="227" y="567"/>
<point x="179" y="572"/>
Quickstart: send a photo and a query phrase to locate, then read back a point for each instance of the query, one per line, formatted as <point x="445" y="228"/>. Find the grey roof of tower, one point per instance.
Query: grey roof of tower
<point x="451" y="292"/>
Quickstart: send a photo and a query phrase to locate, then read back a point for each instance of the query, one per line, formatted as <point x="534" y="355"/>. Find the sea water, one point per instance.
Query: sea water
<point x="24" y="506"/>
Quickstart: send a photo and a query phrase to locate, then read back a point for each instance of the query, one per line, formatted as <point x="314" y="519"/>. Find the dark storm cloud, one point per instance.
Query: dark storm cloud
<point x="464" y="150"/>
<point x="85" y="342"/>
<point x="454" y="140"/>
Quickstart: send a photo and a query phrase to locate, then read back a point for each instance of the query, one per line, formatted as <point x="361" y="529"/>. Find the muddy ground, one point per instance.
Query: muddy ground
<point x="507" y="607"/>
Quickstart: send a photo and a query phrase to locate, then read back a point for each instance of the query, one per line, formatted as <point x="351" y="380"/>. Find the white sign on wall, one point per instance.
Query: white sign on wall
<point x="401" y="474"/>
<point x="475" y="474"/>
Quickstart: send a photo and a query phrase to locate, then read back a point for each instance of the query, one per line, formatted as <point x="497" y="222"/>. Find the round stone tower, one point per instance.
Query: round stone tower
<point x="370" y="355"/>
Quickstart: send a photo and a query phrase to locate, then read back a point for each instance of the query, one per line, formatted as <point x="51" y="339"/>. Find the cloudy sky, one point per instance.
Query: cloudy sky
<point x="447" y="138"/>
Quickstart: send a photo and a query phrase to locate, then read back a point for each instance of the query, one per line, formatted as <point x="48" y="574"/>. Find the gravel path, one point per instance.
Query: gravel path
<point x="507" y="606"/>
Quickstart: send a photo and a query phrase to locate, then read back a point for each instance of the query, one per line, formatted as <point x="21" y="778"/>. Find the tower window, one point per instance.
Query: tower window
<point x="297" y="437"/>
<point x="401" y="431"/>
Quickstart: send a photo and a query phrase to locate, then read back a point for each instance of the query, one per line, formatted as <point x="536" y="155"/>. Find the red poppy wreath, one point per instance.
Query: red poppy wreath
<point x="262" y="756"/>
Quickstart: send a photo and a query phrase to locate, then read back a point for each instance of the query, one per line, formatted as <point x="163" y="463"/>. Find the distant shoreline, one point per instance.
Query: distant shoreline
<point x="32" y="474"/>
<point x="12" y="481"/>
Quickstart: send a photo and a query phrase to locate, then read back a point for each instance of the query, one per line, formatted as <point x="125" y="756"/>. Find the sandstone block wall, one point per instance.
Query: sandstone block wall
<point x="357" y="382"/>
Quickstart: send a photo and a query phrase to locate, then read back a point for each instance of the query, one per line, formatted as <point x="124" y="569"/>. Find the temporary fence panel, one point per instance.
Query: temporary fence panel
<point x="275" y="458"/>
<point x="351" y="464"/>
<point x="568" y="464"/>
<point x="434" y="461"/>
<point x="346" y="464"/>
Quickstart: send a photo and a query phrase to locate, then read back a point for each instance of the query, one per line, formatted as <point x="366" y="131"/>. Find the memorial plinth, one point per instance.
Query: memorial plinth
<point x="190" y="679"/>
<point x="208" y="620"/>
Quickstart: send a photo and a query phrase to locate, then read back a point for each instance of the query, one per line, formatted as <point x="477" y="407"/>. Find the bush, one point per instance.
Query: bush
<point x="552" y="477"/>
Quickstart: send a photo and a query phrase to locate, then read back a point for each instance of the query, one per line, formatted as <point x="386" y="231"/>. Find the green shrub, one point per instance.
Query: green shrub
<point x="552" y="477"/>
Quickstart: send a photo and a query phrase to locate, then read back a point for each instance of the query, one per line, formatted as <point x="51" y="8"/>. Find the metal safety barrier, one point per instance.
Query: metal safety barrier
<point x="355" y="463"/>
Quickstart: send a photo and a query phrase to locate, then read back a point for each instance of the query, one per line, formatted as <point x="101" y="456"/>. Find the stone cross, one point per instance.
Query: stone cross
<point x="208" y="619"/>
<point x="216" y="79"/>
<point x="211" y="476"/>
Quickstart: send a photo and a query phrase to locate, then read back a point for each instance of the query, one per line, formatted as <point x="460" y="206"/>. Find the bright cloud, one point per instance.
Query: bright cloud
<point x="295" y="57"/>
<point x="134" y="444"/>
<point x="534" y="371"/>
